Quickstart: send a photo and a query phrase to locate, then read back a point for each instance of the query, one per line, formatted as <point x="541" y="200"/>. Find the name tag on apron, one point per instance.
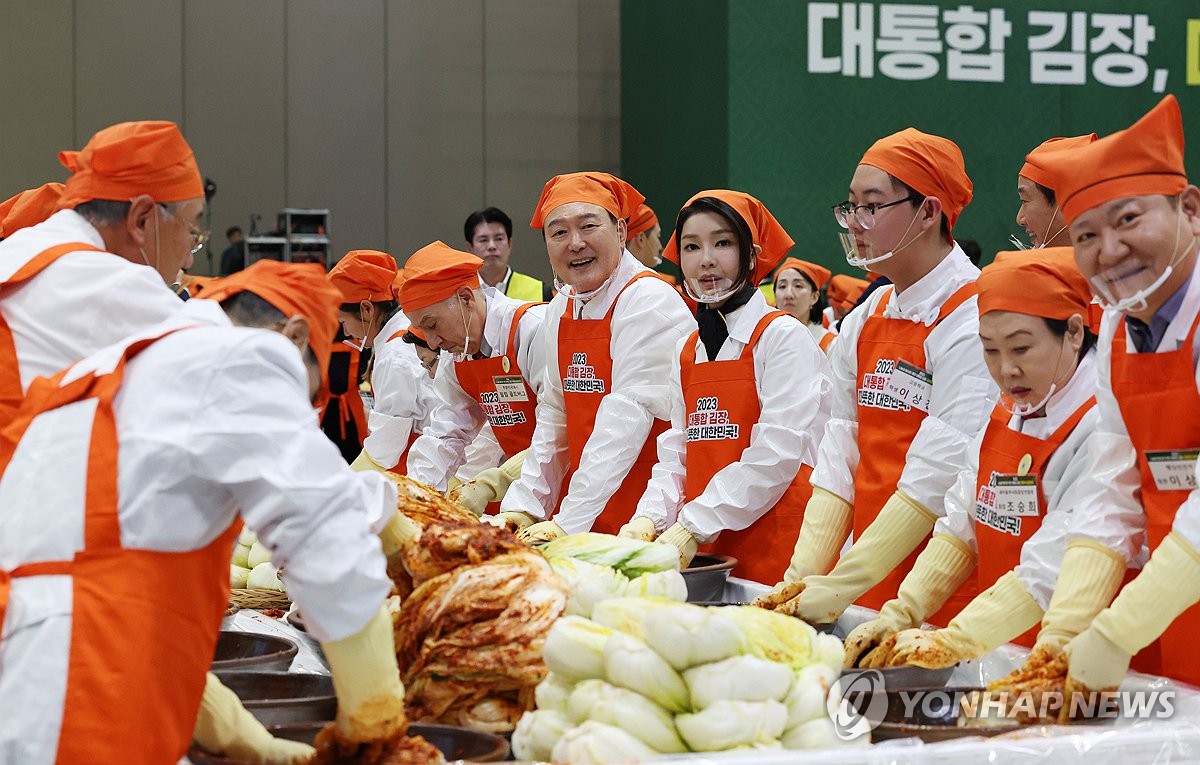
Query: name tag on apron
<point x="510" y="388"/>
<point x="1015" y="495"/>
<point x="1173" y="470"/>
<point x="911" y="385"/>
<point x="368" y="400"/>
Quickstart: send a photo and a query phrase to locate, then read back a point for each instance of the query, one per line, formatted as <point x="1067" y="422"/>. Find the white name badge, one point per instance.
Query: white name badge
<point x="510" y="388"/>
<point x="911" y="385"/>
<point x="1173" y="470"/>
<point x="368" y="400"/>
<point x="1016" y="495"/>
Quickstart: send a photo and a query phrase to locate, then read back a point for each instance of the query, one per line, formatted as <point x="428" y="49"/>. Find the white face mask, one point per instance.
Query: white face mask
<point x="568" y="291"/>
<point x="868" y="258"/>
<point x="1020" y="244"/>
<point x="1118" y="291"/>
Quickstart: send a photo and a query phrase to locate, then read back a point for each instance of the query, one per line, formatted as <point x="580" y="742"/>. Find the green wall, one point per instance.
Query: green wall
<point x="792" y="138"/>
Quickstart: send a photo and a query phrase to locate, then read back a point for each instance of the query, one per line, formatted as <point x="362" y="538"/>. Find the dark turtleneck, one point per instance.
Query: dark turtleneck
<point x="713" y="329"/>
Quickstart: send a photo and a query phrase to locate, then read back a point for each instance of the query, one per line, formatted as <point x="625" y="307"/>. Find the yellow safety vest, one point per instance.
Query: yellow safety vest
<point x="526" y="288"/>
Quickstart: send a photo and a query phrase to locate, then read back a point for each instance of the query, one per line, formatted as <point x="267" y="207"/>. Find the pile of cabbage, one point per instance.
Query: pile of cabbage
<point x="647" y="677"/>
<point x="598" y="567"/>
<point x="251" y="567"/>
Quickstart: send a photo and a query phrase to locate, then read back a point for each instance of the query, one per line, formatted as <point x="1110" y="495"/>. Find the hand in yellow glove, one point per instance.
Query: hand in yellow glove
<point x="901" y="525"/>
<point x="640" y="528"/>
<point x="224" y="727"/>
<point x="942" y="566"/>
<point x="682" y="540"/>
<point x="514" y="521"/>
<point x="779" y="594"/>
<point x="1089" y="577"/>
<point x="546" y="531"/>
<point x="364" y="463"/>
<point x="827" y="522"/>
<point x="1169" y="584"/>
<point x="488" y="486"/>
<point x="367" y="682"/>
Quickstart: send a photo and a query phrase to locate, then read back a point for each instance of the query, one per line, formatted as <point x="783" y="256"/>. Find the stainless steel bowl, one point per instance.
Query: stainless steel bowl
<point x="243" y="651"/>
<point x="706" y="577"/>
<point x="283" y="698"/>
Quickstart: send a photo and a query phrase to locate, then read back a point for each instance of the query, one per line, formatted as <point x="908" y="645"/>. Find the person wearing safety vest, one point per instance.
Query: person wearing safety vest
<point x="497" y="375"/>
<point x="910" y="385"/>
<point x="610" y="335"/>
<point x="128" y="577"/>
<point x="97" y="270"/>
<point x="1010" y="510"/>
<point x="1134" y="220"/>
<point x="401" y="395"/>
<point x="750" y="399"/>
<point x="798" y="285"/>
<point x="489" y="236"/>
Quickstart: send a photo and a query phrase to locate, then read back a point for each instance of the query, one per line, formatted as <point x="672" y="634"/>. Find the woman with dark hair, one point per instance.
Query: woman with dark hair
<point x="1009" y="512"/>
<point x="749" y="398"/>
<point x="798" y="286"/>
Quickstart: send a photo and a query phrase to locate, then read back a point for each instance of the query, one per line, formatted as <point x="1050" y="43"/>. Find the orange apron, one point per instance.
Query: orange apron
<point x="721" y="402"/>
<point x="1161" y="409"/>
<point x="826" y="341"/>
<point x="1011" y="467"/>
<point x="349" y="402"/>
<point x="499" y="388"/>
<point x="10" y="371"/>
<point x="585" y="358"/>
<point x="144" y="623"/>
<point x="886" y="428"/>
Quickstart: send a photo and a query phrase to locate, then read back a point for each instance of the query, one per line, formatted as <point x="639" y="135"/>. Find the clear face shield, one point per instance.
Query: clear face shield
<point x="866" y="255"/>
<point x="1128" y="286"/>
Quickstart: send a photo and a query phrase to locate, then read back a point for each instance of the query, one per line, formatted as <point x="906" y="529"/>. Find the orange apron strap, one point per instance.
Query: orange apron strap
<point x="397" y="335"/>
<point x="512" y="331"/>
<point x="641" y="275"/>
<point x="759" y="328"/>
<point x="38" y="262"/>
<point x="1076" y="417"/>
<point x="960" y="296"/>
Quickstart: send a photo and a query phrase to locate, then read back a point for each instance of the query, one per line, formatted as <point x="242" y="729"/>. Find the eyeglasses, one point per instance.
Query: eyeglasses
<point x="864" y="214"/>
<point x="199" y="237"/>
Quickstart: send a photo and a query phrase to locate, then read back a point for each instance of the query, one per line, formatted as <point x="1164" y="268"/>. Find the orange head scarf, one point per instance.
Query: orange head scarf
<point x="435" y="272"/>
<point x="818" y="275"/>
<point x="928" y="163"/>
<point x="129" y="159"/>
<point x="1043" y="282"/>
<point x="365" y="275"/>
<point x="29" y="208"/>
<point x="844" y="291"/>
<point x="642" y="220"/>
<point x="296" y="289"/>
<point x="608" y="191"/>
<point x="1145" y="158"/>
<point x="765" y="231"/>
<point x="1034" y="168"/>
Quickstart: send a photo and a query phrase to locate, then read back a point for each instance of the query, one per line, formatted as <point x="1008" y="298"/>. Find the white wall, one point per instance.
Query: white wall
<point x="401" y="116"/>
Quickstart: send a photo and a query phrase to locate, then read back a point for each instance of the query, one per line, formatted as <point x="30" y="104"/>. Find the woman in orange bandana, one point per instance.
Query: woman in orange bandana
<point x="1009" y="512"/>
<point x="750" y="398"/>
<point x="798" y="285"/>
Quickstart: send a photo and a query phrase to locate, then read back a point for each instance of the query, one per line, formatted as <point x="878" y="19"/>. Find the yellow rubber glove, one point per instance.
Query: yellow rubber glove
<point x="901" y="525"/>
<point x="942" y="566"/>
<point x="224" y="727"/>
<point x="364" y="464"/>
<point x="994" y="617"/>
<point x="1169" y="584"/>
<point x="682" y="540"/>
<point x="827" y="522"/>
<point x="367" y="681"/>
<point x="640" y="528"/>
<point x="1090" y="576"/>
<point x="546" y="531"/>
<point x="514" y="520"/>
<point x="488" y="486"/>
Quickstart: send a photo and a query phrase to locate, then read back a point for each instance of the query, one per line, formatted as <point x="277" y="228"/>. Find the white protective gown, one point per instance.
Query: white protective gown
<point x="963" y="395"/>
<point x="1110" y="512"/>
<point x="792" y="377"/>
<point x="212" y="422"/>
<point x="456" y="420"/>
<point x="647" y="326"/>
<point x="81" y="302"/>
<point x="403" y="394"/>
<point x="1042" y="553"/>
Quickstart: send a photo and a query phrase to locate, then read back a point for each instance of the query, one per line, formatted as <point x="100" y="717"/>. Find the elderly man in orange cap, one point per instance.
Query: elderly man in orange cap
<point x="910" y="387"/>
<point x="609" y="336"/>
<point x="497" y="377"/>
<point x="1134" y="220"/>
<point x="97" y="270"/>
<point x="152" y="452"/>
